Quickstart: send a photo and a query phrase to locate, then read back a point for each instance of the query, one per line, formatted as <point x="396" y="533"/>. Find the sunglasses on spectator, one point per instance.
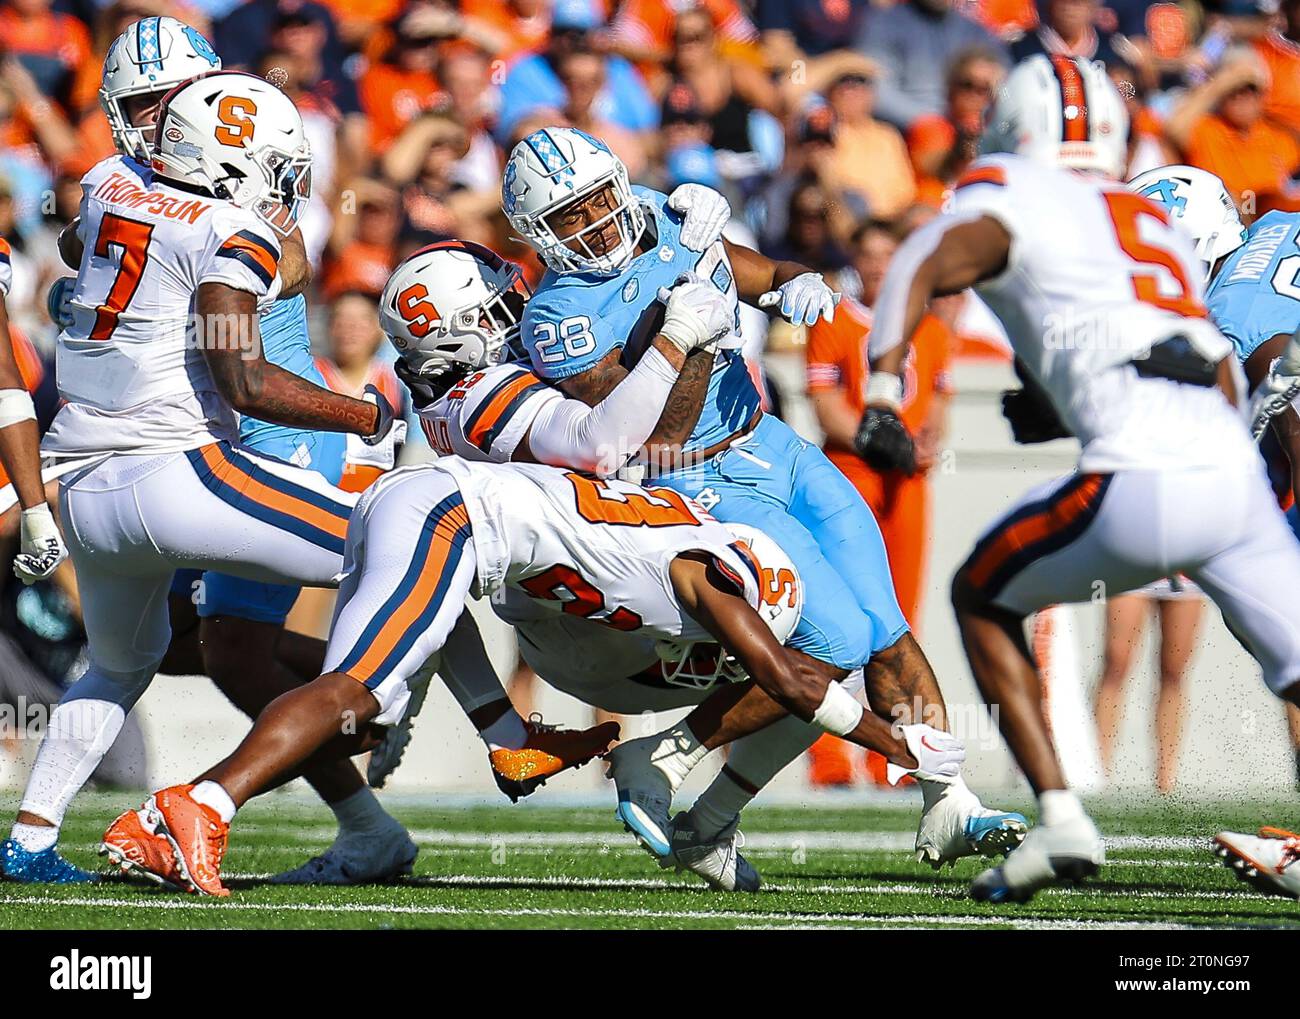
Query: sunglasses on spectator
<point x="855" y="79"/>
<point x="984" y="88"/>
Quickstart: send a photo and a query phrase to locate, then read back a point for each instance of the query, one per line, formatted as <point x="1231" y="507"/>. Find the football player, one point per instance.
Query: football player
<point x="151" y="394"/>
<point x="453" y="309"/>
<point x="1253" y="296"/>
<point x="609" y="248"/>
<point x="1103" y="300"/>
<point x="423" y="539"/>
<point x="251" y="660"/>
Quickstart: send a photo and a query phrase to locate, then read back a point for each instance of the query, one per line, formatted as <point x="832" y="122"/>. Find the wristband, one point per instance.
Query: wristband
<point x="838" y="712"/>
<point x="886" y="388"/>
<point x="16" y="405"/>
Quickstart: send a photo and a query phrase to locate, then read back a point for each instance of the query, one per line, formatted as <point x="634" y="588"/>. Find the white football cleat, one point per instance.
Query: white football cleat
<point x="1049" y="855"/>
<point x="717" y="860"/>
<point x="1270" y="861"/>
<point x="955" y="824"/>
<point x="357" y="860"/>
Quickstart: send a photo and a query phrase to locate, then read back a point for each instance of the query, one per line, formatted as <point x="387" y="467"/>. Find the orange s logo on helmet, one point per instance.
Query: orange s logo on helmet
<point x="780" y="584"/>
<point x="418" y="313"/>
<point x="235" y="114"/>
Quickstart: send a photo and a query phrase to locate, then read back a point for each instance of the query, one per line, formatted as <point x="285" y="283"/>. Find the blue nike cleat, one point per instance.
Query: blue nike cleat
<point x="996" y="833"/>
<point x="644" y="793"/>
<point x="44" y="868"/>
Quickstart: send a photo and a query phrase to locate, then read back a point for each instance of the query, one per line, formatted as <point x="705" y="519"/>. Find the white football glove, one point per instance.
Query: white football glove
<point x="939" y="754"/>
<point x="40" y="548"/>
<point x="706" y="212"/>
<point x="697" y="314"/>
<point x="803" y="300"/>
<point x="382" y="454"/>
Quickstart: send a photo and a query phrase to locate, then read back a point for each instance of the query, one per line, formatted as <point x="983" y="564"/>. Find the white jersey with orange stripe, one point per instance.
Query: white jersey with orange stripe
<point x="486" y="415"/>
<point x="598" y="549"/>
<point x="1096" y="277"/>
<point x="131" y="366"/>
<point x="6" y="269"/>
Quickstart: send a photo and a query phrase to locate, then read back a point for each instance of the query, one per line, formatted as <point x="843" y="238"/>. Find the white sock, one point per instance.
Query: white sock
<point x="1057" y="806"/>
<point x="35" y="838"/>
<point x="210" y="794"/>
<point x="361" y="814"/>
<point x="506" y="733"/>
<point x="79" y="734"/>
<point x="679" y="751"/>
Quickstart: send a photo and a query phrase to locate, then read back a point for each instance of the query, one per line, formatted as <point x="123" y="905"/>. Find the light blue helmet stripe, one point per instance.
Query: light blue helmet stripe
<point x="148" y="52"/>
<point x="548" y="154"/>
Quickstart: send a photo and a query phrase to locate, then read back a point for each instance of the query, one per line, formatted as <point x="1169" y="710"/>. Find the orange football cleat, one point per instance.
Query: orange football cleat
<point x="198" y="837"/>
<point x="134" y="846"/>
<point x="548" y="751"/>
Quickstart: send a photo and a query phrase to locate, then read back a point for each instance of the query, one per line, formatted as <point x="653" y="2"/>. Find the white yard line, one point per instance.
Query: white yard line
<point x="787" y="918"/>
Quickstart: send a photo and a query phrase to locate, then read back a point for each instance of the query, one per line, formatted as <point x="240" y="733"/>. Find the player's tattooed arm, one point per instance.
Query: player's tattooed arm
<point x="294" y="266"/>
<point x="232" y="347"/>
<point x="682" y="408"/>
<point x="598" y="381"/>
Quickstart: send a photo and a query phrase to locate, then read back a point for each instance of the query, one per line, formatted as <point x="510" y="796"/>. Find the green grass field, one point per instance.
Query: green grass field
<point x="546" y="866"/>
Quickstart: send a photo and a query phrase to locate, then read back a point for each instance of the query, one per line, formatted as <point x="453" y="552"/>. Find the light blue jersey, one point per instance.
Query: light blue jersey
<point x="287" y="345"/>
<point x="769" y="478"/>
<point x="1256" y="295"/>
<point x="576" y="319"/>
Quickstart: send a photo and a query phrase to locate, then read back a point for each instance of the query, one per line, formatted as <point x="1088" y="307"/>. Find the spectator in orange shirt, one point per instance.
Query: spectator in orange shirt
<point x="401" y="86"/>
<point x="837" y="376"/>
<point x="363" y="248"/>
<point x="837" y="371"/>
<point x="943" y="145"/>
<point x="645" y="31"/>
<point x="355" y="361"/>
<point x="524" y="25"/>
<point x="56" y="51"/>
<point x="1280" y="52"/>
<point x="1220" y="127"/>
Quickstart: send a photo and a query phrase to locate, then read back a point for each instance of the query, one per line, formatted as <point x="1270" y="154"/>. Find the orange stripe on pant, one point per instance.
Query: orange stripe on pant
<point x="415" y="602"/>
<point x="1058" y="516"/>
<point x="247" y="485"/>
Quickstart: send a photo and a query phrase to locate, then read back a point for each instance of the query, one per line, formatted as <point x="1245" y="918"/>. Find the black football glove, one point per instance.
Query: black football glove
<point x="386" y="416"/>
<point x="1030" y="412"/>
<point x="883" y="441"/>
<point x="423" y="394"/>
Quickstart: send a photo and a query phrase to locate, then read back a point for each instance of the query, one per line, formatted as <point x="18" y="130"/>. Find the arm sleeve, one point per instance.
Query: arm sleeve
<point x="601" y="439"/>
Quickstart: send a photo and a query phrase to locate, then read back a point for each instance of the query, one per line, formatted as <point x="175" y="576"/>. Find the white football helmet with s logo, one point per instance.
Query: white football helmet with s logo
<point x="236" y="137"/>
<point x="1197" y="200"/>
<point x="1063" y="111"/>
<point x="152" y="56"/>
<point x="778" y="599"/>
<point x="555" y="167"/>
<point x="453" y="304"/>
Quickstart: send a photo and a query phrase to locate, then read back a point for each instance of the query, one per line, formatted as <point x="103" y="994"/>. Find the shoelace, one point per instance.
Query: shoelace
<point x="535" y="724"/>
